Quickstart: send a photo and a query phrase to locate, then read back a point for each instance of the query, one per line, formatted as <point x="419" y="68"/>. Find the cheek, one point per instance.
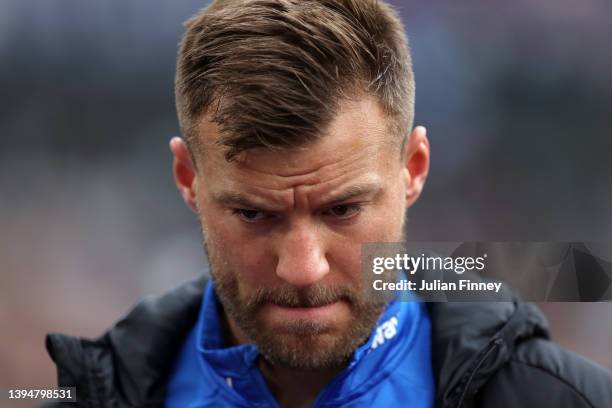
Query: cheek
<point x="345" y="259"/>
<point x="240" y="254"/>
<point x="344" y="254"/>
<point x="394" y="214"/>
<point x="384" y="223"/>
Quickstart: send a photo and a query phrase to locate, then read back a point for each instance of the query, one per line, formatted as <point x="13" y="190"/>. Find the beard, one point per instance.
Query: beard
<point x="305" y="344"/>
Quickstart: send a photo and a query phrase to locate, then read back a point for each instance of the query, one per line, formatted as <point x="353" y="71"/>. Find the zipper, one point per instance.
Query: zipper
<point x="490" y="348"/>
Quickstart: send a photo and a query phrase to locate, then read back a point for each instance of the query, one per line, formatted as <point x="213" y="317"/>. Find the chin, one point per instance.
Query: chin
<point x="308" y="344"/>
<point x="306" y="352"/>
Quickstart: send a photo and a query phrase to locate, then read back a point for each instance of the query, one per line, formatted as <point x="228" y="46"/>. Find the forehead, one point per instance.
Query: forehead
<point x="357" y="134"/>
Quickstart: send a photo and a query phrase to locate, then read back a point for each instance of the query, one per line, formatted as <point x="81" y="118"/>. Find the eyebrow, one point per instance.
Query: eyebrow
<point x="358" y="190"/>
<point x="235" y="199"/>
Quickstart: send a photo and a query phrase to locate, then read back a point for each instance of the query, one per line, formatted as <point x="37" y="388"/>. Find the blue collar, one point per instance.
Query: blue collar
<point x="394" y="362"/>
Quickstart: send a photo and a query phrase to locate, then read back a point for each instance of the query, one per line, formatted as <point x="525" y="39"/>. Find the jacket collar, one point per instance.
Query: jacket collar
<point x="393" y="340"/>
<point x="471" y="340"/>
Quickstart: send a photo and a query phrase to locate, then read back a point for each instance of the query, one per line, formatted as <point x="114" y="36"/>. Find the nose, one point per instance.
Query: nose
<point x="301" y="255"/>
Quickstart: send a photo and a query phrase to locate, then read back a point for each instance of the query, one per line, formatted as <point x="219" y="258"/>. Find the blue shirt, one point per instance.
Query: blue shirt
<point x="393" y="365"/>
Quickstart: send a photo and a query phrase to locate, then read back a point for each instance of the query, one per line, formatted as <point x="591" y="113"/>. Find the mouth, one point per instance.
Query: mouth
<point x="319" y="312"/>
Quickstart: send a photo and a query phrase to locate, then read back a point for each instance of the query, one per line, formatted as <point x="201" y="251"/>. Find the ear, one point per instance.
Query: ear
<point x="184" y="172"/>
<point x="416" y="164"/>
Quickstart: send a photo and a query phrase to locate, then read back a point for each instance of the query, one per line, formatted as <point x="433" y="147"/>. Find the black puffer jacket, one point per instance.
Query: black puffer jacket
<point x="484" y="355"/>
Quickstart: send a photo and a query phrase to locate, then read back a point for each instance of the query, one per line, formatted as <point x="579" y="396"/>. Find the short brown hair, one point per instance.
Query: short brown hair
<point x="271" y="73"/>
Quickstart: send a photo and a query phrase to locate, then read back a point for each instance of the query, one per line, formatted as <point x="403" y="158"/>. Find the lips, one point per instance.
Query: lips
<point x="321" y="312"/>
<point x="303" y="305"/>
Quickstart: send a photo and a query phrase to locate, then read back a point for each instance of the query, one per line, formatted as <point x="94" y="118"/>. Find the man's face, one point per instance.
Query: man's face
<point x="283" y="233"/>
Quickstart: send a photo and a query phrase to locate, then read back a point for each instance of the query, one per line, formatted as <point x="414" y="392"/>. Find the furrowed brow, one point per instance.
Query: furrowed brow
<point x="358" y="190"/>
<point x="233" y="199"/>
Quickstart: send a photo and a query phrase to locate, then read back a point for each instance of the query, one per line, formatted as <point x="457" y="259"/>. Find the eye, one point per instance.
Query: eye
<point x="249" y="215"/>
<point x="344" y="211"/>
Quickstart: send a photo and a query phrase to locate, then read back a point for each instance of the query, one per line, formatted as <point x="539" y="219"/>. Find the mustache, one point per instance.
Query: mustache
<point x="313" y="296"/>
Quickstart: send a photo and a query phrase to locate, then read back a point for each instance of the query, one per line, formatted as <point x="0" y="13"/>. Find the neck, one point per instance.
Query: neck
<point x="295" y="388"/>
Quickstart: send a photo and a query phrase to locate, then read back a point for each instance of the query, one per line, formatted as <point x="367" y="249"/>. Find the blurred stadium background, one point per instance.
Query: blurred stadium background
<point x="517" y="98"/>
